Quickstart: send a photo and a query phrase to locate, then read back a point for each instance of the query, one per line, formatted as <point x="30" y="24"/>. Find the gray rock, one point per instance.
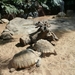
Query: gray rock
<point x="70" y="12"/>
<point x="20" y="26"/>
<point x="61" y="14"/>
<point x="4" y="21"/>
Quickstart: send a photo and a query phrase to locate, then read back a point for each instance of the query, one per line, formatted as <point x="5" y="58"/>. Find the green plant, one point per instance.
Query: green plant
<point x="43" y="3"/>
<point x="7" y="7"/>
<point x="17" y="6"/>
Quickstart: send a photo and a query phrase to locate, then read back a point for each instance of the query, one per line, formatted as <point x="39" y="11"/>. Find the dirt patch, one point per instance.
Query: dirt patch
<point x="2" y="27"/>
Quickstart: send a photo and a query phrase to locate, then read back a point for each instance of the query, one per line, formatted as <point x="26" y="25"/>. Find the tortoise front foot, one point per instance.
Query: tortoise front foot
<point x="53" y="43"/>
<point x="12" y="70"/>
<point x="38" y="62"/>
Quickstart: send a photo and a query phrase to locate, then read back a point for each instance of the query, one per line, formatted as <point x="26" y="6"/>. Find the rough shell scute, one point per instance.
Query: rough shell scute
<point x="44" y="46"/>
<point x="24" y="59"/>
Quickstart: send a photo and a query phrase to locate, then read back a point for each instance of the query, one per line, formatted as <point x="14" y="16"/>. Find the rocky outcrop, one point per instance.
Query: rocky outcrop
<point x="19" y="26"/>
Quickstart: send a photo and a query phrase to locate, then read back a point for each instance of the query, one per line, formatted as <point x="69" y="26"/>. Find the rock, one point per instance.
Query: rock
<point x="20" y="26"/>
<point x="4" y="21"/>
<point x="61" y="14"/>
<point x="30" y="18"/>
<point x="70" y="12"/>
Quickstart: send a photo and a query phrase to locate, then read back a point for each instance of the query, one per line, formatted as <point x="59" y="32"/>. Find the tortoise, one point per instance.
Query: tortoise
<point x="6" y="36"/>
<point x="45" y="47"/>
<point x="42" y="32"/>
<point x="24" y="59"/>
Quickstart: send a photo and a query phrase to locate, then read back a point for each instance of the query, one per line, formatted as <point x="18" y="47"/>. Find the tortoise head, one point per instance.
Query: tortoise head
<point x="43" y="25"/>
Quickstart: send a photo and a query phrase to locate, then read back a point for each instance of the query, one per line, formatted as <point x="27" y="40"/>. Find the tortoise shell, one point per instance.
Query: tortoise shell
<point x="44" y="46"/>
<point x="24" y="59"/>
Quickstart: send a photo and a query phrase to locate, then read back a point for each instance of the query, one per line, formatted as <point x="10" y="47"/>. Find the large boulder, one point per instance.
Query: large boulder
<point x="4" y="21"/>
<point x="20" y="26"/>
<point x="61" y="14"/>
<point x="70" y="13"/>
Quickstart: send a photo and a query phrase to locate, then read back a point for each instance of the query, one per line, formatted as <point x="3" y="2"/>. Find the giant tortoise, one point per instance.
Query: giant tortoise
<point x="24" y="59"/>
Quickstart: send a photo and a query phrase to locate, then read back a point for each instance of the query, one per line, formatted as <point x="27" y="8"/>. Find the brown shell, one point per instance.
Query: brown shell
<point x="24" y="59"/>
<point x="44" y="46"/>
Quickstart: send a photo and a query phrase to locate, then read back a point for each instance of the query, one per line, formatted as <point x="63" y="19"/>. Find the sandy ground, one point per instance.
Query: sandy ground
<point x="61" y="64"/>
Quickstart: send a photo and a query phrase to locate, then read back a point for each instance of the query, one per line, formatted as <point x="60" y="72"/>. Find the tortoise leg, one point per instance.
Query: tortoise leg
<point x="38" y="63"/>
<point x="51" y="36"/>
<point x="12" y="70"/>
<point x="53" y="43"/>
<point x="54" y="36"/>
